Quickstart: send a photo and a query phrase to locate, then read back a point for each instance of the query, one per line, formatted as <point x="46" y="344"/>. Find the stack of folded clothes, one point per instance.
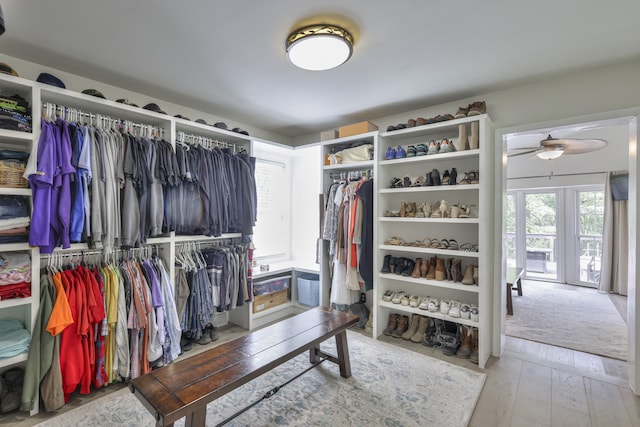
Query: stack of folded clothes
<point x="14" y="338"/>
<point x="14" y="219"/>
<point x="12" y="166"/>
<point x="15" y="113"/>
<point x="15" y="275"/>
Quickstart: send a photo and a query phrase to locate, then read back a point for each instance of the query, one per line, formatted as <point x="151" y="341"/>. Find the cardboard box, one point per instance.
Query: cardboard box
<point x="356" y="129"/>
<point x="267" y="301"/>
<point x="328" y="135"/>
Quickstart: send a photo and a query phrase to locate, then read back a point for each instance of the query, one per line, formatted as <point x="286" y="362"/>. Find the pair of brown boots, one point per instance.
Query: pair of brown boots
<point x="469" y="343"/>
<point x="431" y="269"/>
<point x="417" y="328"/>
<point x="470" y="275"/>
<point x="398" y="325"/>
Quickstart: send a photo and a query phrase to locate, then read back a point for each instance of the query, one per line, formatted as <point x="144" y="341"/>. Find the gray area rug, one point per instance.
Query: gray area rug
<point x="567" y="316"/>
<point x="389" y="386"/>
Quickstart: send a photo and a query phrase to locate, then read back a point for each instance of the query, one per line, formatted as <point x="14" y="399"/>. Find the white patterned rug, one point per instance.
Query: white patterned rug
<point x="568" y="316"/>
<point x="389" y="386"/>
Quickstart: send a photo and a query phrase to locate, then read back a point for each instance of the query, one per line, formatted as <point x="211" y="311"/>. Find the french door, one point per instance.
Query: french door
<point x="556" y="235"/>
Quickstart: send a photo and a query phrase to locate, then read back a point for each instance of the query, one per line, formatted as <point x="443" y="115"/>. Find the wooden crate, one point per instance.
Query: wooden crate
<point x="267" y="301"/>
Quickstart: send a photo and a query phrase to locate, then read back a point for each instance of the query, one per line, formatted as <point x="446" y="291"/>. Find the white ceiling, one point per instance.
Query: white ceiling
<point x="228" y="57"/>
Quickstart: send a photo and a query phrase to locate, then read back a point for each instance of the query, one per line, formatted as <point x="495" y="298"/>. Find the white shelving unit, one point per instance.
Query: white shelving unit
<point x="329" y="174"/>
<point x="22" y="309"/>
<point x="25" y="309"/>
<point x="476" y="229"/>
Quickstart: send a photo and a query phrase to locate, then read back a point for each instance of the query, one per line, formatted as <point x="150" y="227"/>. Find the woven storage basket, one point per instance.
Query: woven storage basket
<point x="11" y="174"/>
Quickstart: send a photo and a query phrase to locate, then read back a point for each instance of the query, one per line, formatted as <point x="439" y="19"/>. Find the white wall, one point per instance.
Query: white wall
<point x="607" y="88"/>
<point x="305" y="215"/>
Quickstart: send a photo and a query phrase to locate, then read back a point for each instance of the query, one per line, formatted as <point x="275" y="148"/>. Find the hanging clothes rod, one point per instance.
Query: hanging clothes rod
<point x="193" y="139"/>
<point x="73" y="252"/>
<point x="52" y="111"/>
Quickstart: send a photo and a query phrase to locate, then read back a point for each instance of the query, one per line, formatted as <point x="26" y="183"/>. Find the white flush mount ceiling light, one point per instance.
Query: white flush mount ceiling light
<point x="550" y="152"/>
<point x="319" y="47"/>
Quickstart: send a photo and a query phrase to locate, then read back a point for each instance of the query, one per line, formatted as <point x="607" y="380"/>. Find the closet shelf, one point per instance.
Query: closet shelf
<point x="414" y="249"/>
<point x="15" y="136"/>
<point x="434" y="188"/>
<point x="432" y="220"/>
<point x="92" y="104"/>
<point x="10" y="361"/>
<point x="437" y="283"/>
<point x="432" y="129"/>
<point x="431" y="157"/>
<point x="15" y="191"/>
<point x="350" y="166"/>
<point x="16" y="302"/>
<point x="413" y="310"/>
<point x="13" y="247"/>
<point x="200" y="238"/>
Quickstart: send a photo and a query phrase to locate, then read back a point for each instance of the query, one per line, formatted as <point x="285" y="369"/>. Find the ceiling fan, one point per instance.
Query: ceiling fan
<point x="552" y="148"/>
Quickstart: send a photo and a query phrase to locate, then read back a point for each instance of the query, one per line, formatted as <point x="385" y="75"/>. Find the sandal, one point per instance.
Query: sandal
<point x="395" y="241"/>
<point x="407" y="181"/>
<point x="435" y="244"/>
<point x="466" y="247"/>
<point x="444" y="244"/>
<point x="425" y="243"/>
<point x="418" y="182"/>
<point x="453" y="245"/>
<point x="395" y="183"/>
<point x="464" y="211"/>
<point x="391" y="213"/>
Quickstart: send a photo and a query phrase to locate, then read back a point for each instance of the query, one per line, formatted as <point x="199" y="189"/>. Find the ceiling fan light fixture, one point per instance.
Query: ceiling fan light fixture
<point x="551" y="152"/>
<point x="319" y="47"/>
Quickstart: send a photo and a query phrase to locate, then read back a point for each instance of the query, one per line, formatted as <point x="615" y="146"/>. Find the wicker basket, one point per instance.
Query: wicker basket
<point x="11" y="174"/>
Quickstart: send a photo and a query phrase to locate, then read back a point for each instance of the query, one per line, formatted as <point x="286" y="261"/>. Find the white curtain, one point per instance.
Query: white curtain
<point x="615" y="243"/>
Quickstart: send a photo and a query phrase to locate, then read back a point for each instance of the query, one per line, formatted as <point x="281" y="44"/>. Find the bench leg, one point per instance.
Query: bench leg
<point x="313" y="354"/>
<point x="519" y="286"/>
<point x="509" y="300"/>
<point x="197" y="418"/>
<point x="343" y="354"/>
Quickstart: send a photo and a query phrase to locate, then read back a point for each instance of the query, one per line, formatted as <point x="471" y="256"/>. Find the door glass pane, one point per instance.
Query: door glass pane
<point x="540" y="238"/>
<point x="510" y="229"/>
<point x="591" y="216"/>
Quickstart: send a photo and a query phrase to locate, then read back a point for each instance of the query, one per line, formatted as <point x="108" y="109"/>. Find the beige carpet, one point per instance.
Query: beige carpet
<point x="568" y="316"/>
<point x="389" y="386"/>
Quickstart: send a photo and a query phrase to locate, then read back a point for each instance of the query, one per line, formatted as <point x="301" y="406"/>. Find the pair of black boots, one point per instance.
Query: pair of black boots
<point x="448" y="178"/>
<point x="443" y="334"/>
<point x="400" y="266"/>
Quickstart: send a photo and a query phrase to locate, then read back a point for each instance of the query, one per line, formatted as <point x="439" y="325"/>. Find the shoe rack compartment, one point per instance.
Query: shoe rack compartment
<point x="411" y="230"/>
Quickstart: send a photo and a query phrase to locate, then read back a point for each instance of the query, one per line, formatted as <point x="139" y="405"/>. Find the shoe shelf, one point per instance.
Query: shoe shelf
<point x="419" y="250"/>
<point x="432" y="129"/>
<point x="431" y="157"/>
<point x="446" y="188"/>
<point x="476" y="229"/>
<point x="430" y="220"/>
<point x="448" y="284"/>
<point x="433" y="314"/>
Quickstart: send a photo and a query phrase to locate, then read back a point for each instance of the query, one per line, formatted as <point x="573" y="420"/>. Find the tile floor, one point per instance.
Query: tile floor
<point x="533" y="384"/>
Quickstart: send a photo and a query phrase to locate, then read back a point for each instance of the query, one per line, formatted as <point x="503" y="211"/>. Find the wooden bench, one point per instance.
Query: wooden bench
<point x="184" y="388"/>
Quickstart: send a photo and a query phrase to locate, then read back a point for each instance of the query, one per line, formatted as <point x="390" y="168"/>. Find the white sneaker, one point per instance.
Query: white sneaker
<point x="414" y="301"/>
<point x="397" y="297"/>
<point x="455" y="309"/>
<point x="404" y="300"/>
<point x="445" y="305"/>
<point x="434" y="306"/>
<point x="465" y="311"/>
<point x="475" y="314"/>
<point x="424" y="303"/>
<point x="388" y="295"/>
